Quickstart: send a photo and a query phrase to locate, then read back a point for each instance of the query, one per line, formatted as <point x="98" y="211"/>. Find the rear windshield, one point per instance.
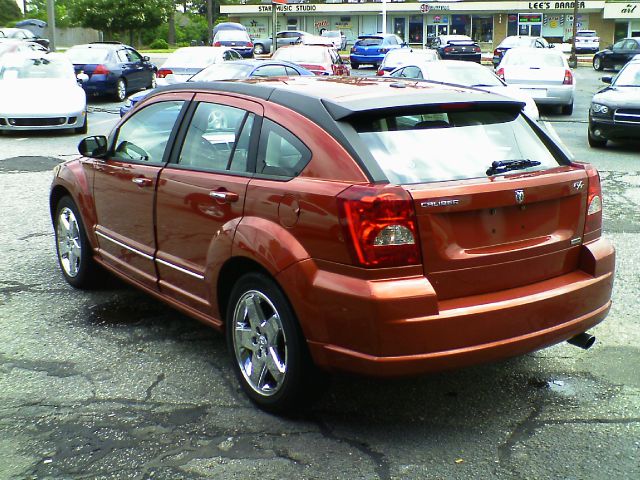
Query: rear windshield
<point x="586" y="34"/>
<point x="455" y="145"/>
<point x="533" y="58"/>
<point x="87" y="55"/>
<point x="369" y="41"/>
<point x="302" y="55"/>
<point x="231" y="36"/>
<point x="516" y="42"/>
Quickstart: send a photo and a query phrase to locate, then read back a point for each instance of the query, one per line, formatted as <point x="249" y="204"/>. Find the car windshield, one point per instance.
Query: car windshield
<point x="511" y="42"/>
<point x="462" y="144"/>
<point x="301" y="54"/>
<point x="192" y="57"/>
<point x="586" y="34"/>
<point x="23" y="68"/>
<point x="223" y="71"/>
<point x="629" y="76"/>
<point x="532" y="58"/>
<point x="231" y="36"/>
<point x="369" y="41"/>
<point x="461" y="74"/>
<point x="87" y="55"/>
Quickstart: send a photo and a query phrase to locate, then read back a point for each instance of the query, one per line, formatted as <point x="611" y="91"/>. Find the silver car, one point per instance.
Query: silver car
<point x="542" y="73"/>
<point x="185" y="62"/>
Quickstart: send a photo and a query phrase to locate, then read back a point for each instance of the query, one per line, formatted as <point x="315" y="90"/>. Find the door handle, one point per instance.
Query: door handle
<point x="224" y="197"/>
<point x="141" y="181"/>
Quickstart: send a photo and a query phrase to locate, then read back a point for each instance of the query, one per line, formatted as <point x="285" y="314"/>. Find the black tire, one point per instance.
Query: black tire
<point x="567" y="109"/>
<point x="258" y="49"/>
<point x="274" y="329"/>
<point x="595" y="142"/>
<point x="355" y="65"/>
<point x="597" y="64"/>
<point x="121" y="90"/>
<point x="75" y="255"/>
<point x="84" y="128"/>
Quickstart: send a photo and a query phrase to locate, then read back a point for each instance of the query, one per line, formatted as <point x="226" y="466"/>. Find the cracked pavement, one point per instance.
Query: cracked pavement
<point x="111" y="384"/>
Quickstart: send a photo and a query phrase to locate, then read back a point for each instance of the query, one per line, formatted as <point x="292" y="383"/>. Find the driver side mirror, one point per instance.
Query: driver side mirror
<point x="93" y="147"/>
<point x="607" y="79"/>
<point x="146" y="58"/>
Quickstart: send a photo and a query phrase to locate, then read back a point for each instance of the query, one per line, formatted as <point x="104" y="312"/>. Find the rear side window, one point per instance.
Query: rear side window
<point x="280" y="153"/>
<point x="454" y="145"/>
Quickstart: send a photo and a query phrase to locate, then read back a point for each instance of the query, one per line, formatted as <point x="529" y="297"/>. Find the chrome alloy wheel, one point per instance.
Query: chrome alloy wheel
<point x="259" y="343"/>
<point x="69" y="246"/>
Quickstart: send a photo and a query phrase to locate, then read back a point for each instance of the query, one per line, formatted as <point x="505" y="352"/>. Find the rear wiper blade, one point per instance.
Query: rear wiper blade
<point x="506" y="165"/>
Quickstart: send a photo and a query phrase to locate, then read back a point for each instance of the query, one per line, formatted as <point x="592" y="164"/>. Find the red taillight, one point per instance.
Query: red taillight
<point x="101" y="70"/>
<point x="496" y="52"/>
<point x="250" y="44"/>
<point x="380" y="73"/>
<point x="217" y="44"/>
<point x="448" y="49"/>
<point x="500" y="73"/>
<point x="477" y="49"/>
<point x="380" y="226"/>
<point x="568" y="78"/>
<point x="163" y="72"/>
<point x="593" y="223"/>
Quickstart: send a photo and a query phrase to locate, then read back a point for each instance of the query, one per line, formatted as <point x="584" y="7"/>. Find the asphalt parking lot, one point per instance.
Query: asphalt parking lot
<point x="111" y="384"/>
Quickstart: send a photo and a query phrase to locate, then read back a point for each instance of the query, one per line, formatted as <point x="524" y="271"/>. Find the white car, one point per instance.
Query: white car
<point x="587" y="41"/>
<point x="40" y="91"/>
<point x="542" y="73"/>
<point x="405" y="56"/>
<point x="185" y="62"/>
<point x="469" y="74"/>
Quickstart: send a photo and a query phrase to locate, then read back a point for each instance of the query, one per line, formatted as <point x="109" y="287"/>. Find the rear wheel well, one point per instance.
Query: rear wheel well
<point x="230" y="274"/>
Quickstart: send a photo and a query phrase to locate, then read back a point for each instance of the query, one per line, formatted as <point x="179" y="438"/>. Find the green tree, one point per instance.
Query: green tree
<point x="9" y="11"/>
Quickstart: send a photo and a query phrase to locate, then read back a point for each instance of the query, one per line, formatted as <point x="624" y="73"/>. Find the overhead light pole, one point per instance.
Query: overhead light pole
<point x="573" y="59"/>
<point x="51" y="22"/>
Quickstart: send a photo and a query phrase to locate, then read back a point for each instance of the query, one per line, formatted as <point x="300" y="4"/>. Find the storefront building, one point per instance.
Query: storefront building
<point x="418" y="22"/>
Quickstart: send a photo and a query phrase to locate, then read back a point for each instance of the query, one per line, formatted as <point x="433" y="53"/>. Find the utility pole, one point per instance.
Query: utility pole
<point x="210" y="21"/>
<point x="51" y="22"/>
<point x="573" y="59"/>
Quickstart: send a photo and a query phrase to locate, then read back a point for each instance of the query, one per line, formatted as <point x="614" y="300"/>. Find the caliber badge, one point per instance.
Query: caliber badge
<point x="519" y="196"/>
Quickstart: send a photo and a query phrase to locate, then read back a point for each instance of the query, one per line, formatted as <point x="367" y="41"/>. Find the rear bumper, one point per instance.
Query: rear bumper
<point x="468" y="57"/>
<point x="372" y="59"/>
<point x="550" y="95"/>
<point x="398" y="327"/>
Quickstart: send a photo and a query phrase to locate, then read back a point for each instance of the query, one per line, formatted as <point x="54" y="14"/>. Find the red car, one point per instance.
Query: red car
<point x="320" y="59"/>
<point x="381" y="227"/>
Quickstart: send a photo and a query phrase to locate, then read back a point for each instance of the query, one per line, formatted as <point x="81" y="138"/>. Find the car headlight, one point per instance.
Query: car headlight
<point x="598" y="108"/>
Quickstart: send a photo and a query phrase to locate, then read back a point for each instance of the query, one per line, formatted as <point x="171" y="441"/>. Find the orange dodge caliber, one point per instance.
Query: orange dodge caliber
<point x="372" y="226"/>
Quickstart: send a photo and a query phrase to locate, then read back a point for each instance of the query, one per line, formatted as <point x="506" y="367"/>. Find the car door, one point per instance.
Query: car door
<point x="139" y="75"/>
<point x="201" y="195"/>
<point x="124" y="188"/>
<point x="616" y="57"/>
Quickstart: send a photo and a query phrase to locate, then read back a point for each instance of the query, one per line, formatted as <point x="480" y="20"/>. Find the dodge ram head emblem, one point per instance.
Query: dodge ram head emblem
<point x="519" y="196"/>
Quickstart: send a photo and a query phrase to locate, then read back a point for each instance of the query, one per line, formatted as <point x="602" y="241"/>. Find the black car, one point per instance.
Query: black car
<point x="24" y="35"/>
<point x="517" y="41"/>
<point x="457" y="47"/>
<point x="617" y="55"/>
<point x="113" y="68"/>
<point x="615" y="110"/>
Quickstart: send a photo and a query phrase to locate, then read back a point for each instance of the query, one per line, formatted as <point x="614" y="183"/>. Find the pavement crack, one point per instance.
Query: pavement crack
<point x="158" y="380"/>
<point x="523" y="431"/>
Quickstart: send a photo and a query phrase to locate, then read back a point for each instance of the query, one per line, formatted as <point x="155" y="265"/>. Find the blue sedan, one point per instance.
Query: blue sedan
<point x="371" y="49"/>
<point x="235" y="70"/>
<point x="113" y="69"/>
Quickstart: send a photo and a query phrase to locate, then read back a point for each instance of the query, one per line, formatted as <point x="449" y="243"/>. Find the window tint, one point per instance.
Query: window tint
<point x="480" y="137"/>
<point x="240" y="157"/>
<point x="144" y="136"/>
<point x="291" y="72"/>
<point x="412" y="72"/>
<point x="211" y="136"/>
<point x="618" y="45"/>
<point x="631" y="45"/>
<point x="280" y="153"/>
<point x="270" y="71"/>
<point x="133" y="56"/>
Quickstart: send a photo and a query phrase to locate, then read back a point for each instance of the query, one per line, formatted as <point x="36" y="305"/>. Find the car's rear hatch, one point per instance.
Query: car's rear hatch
<point x="368" y="46"/>
<point x="458" y="47"/>
<point x="482" y="226"/>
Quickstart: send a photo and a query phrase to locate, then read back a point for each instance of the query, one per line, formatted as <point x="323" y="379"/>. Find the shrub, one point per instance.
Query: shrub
<point x="159" y="44"/>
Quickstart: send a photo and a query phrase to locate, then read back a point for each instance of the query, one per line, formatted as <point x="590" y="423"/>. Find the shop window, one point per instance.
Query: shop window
<point x="415" y="29"/>
<point x="482" y="28"/>
<point x="512" y="25"/>
<point x="399" y="27"/>
<point x="460" y="25"/>
<point x="621" y="30"/>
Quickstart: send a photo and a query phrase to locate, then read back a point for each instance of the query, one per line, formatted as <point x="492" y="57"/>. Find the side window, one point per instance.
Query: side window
<point x="291" y="72"/>
<point x="239" y="159"/>
<point x="211" y="136"/>
<point x="122" y="56"/>
<point x="631" y="45"/>
<point x="235" y="55"/>
<point x="270" y="71"/>
<point x="398" y="73"/>
<point x="412" y="72"/>
<point x="618" y="45"/>
<point x="144" y="136"/>
<point x="133" y="56"/>
<point x="280" y="152"/>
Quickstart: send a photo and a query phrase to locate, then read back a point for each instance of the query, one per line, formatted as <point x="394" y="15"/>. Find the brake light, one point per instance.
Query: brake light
<point x="380" y="73"/>
<point x="448" y="49"/>
<point x="593" y="223"/>
<point x="101" y="70"/>
<point x="500" y="73"/>
<point x="568" y="78"/>
<point x="496" y="53"/>
<point x="164" y="72"/>
<point x="250" y="44"/>
<point x="477" y="49"/>
<point x="380" y="226"/>
<point x="217" y="44"/>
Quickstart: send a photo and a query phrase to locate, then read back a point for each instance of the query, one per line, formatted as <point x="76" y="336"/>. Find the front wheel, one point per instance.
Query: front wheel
<point x="258" y="49"/>
<point x="597" y="64"/>
<point x="355" y="65"/>
<point x="268" y="349"/>
<point x="121" y="90"/>
<point x="567" y="109"/>
<point x="72" y="246"/>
